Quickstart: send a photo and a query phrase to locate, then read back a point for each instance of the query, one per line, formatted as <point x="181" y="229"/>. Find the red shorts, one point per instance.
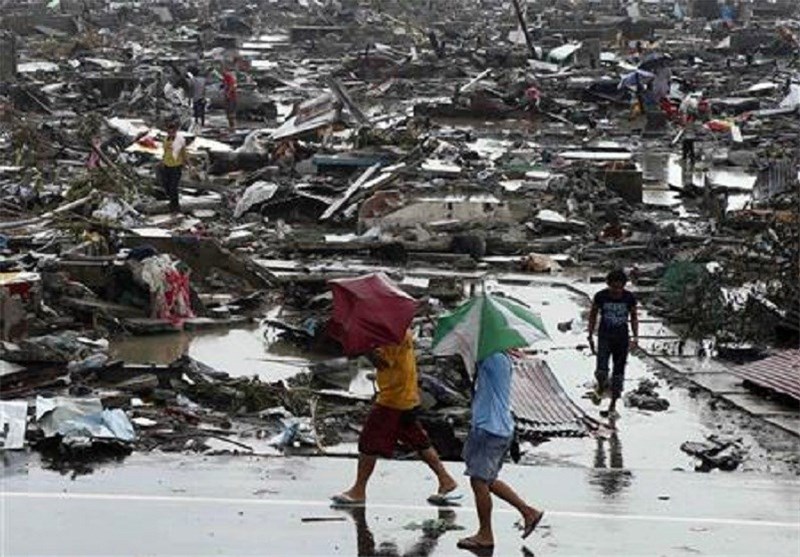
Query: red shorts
<point x="385" y="427"/>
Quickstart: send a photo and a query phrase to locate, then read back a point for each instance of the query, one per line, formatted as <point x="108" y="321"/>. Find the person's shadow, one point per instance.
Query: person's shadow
<point x="609" y="469"/>
<point x="424" y="547"/>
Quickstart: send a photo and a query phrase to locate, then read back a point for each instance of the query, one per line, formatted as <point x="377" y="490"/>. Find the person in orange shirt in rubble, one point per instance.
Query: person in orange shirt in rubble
<point x="392" y="419"/>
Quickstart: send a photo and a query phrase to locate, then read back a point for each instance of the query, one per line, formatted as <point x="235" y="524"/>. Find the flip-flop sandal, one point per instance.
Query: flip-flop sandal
<point x="342" y="500"/>
<point x="532" y="526"/>
<point x="471" y="544"/>
<point x="445" y="499"/>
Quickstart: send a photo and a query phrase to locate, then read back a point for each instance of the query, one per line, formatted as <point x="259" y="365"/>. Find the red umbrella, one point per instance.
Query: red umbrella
<point x="368" y="312"/>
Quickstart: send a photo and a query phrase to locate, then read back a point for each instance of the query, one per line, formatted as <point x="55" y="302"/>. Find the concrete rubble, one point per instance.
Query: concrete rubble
<point x="716" y="452"/>
<point x="645" y="397"/>
<point x="664" y="140"/>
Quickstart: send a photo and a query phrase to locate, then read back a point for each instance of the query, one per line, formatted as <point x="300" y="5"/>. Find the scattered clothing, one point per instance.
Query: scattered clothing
<point x="168" y="285"/>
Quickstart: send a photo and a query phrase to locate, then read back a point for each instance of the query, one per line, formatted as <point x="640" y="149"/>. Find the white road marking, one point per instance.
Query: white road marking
<point x="386" y="506"/>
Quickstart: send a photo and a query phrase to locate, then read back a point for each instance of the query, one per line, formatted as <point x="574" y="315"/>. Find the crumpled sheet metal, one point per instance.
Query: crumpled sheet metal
<point x="539" y="403"/>
<point x="82" y="420"/>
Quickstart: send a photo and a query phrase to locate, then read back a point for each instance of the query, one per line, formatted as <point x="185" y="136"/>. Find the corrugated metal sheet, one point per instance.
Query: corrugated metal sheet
<point x="780" y="373"/>
<point x="541" y="406"/>
<point x="776" y="177"/>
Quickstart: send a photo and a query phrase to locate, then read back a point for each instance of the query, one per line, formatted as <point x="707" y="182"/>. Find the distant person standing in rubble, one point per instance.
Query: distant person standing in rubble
<point x="172" y="164"/>
<point x="199" y="82"/>
<point x="689" y="140"/>
<point x="616" y="307"/>
<point x="230" y="92"/>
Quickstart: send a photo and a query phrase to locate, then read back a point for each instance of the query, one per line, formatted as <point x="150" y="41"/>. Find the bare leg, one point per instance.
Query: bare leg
<point x="529" y="514"/>
<point x="366" y="464"/>
<point x="483" y="503"/>
<point x="446" y="481"/>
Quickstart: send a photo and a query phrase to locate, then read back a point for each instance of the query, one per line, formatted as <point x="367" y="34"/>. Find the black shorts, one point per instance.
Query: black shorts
<point x="199" y="108"/>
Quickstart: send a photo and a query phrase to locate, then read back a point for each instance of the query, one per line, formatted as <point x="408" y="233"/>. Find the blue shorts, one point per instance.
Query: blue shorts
<point x="484" y="453"/>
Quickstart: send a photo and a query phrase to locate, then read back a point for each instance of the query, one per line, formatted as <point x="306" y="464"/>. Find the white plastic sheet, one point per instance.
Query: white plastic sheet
<point x="13" y="423"/>
<point x="79" y="420"/>
<point x="792" y="100"/>
<point x="256" y="193"/>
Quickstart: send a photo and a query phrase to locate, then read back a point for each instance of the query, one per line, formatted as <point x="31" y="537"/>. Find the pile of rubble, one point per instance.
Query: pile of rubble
<point x="645" y="397"/>
<point x="661" y="137"/>
<point x="716" y="452"/>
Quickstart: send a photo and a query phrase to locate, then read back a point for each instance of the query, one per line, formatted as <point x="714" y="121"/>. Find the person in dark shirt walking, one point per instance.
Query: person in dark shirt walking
<point x="616" y="307"/>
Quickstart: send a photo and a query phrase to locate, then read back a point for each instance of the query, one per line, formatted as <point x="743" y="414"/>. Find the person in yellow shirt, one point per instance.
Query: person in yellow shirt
<point x="392" y="419"/>
<point x="172" y="162"/>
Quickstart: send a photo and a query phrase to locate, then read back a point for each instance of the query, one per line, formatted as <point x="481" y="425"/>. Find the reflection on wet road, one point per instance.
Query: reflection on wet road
<point x="430" y="530"/>
<point x="609" y="468"/>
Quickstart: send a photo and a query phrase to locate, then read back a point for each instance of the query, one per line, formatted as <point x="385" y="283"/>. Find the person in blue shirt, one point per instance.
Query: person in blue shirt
<point x="490" y="437"/>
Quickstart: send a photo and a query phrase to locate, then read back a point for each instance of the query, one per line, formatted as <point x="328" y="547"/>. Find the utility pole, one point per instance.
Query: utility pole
<point x="524" y="27"/>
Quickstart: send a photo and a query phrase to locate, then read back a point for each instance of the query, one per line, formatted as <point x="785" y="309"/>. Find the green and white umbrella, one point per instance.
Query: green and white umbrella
<point x="485" y="325"/>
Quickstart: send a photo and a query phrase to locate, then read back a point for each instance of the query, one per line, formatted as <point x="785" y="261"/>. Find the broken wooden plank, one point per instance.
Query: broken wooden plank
<point x="50" y="214"/>
<point x="342" y="95"/>
<point x="366" y="175"/>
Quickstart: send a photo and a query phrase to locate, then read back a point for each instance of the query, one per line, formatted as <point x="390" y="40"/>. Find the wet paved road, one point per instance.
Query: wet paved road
<point x="177" y="505"/>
